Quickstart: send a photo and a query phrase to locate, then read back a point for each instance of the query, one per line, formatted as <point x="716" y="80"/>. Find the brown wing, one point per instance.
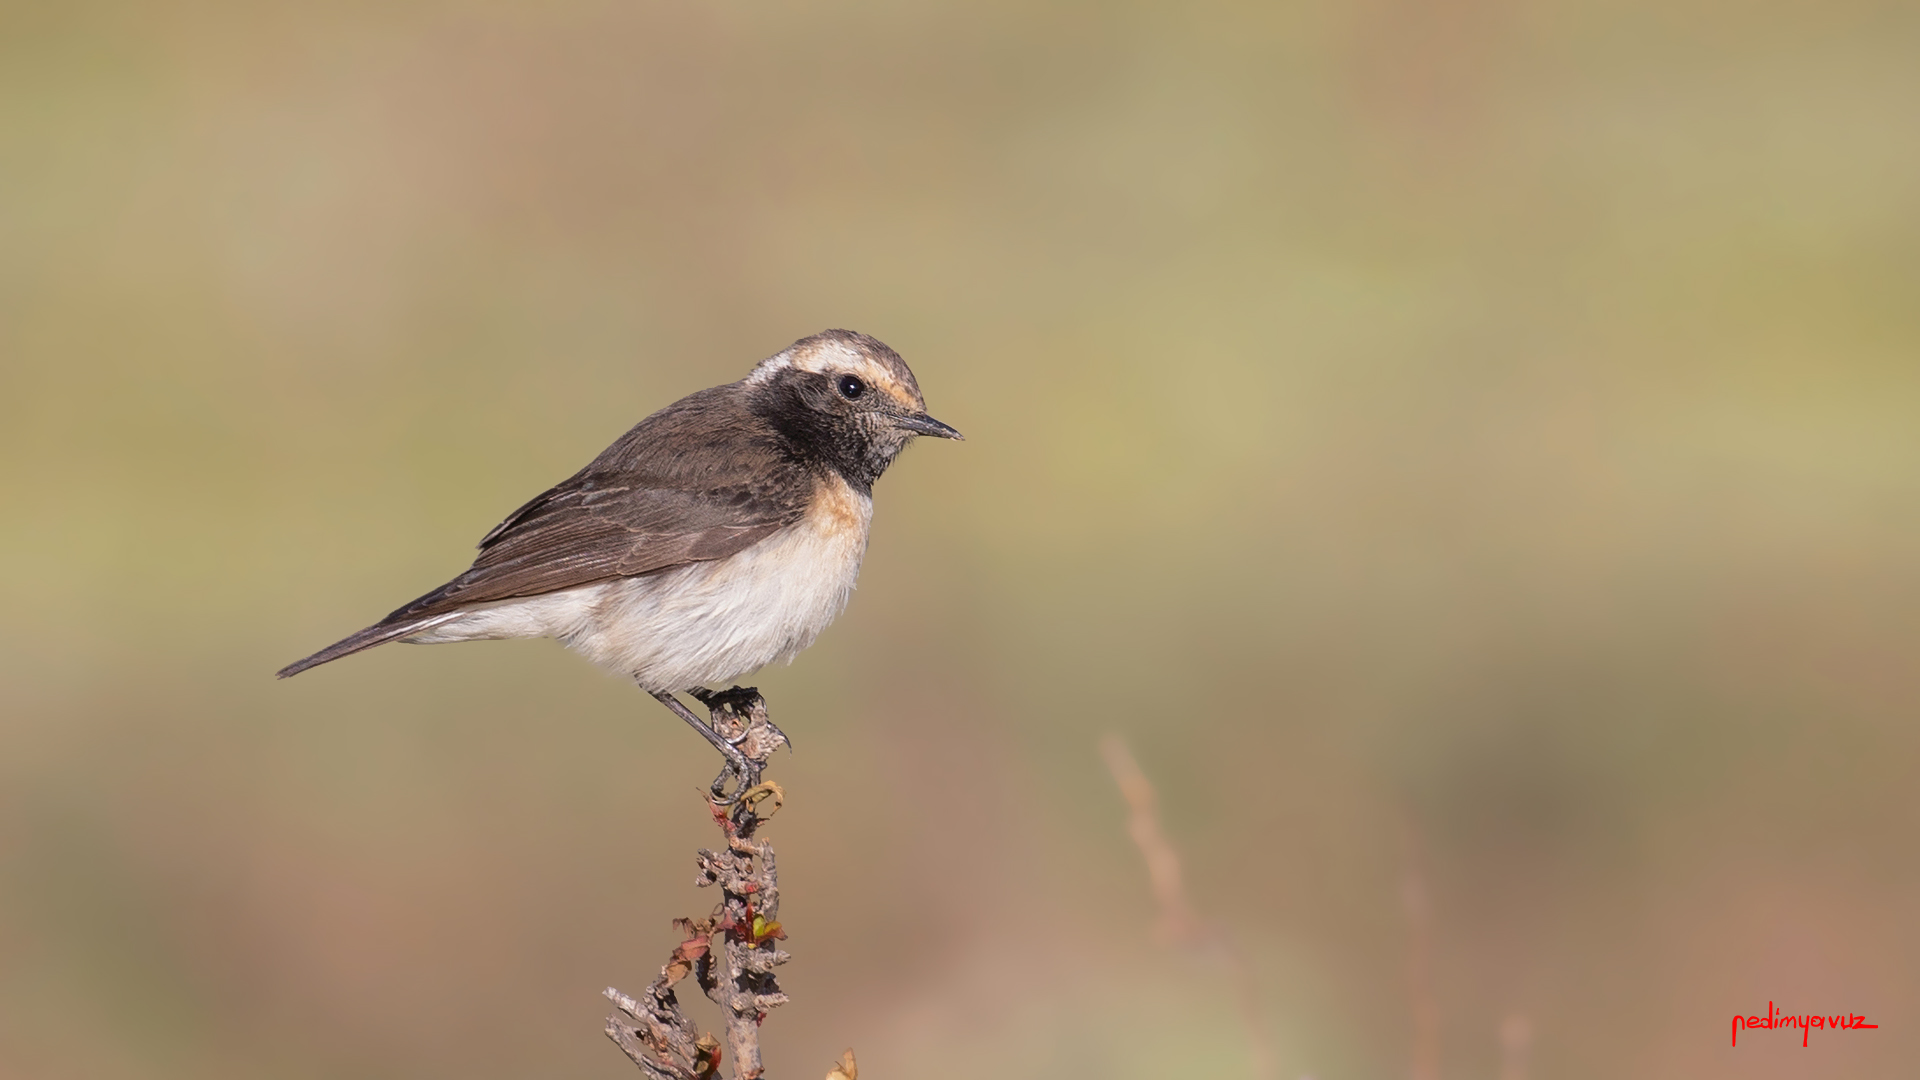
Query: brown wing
<point x="580" y="537"/>
<point x="698" y="480"/>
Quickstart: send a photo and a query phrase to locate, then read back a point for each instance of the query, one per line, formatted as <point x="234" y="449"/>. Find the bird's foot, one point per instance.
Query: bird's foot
<point x="738" y="718"/>
<point x="737" y="762"/>
<point x="736" y="698"/>
<point x="740" y="715"/>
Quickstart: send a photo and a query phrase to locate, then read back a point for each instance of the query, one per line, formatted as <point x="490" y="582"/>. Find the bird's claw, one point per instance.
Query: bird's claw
<point x="730" y="725"/>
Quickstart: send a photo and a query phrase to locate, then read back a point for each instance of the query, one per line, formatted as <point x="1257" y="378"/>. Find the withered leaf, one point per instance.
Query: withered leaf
<point x="706" y="1056"/>
<point x="699" y="940"/>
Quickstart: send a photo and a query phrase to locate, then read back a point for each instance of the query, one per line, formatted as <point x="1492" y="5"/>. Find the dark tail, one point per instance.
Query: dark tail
<point x="437" y="606"/>
<point x="378" y="634"/>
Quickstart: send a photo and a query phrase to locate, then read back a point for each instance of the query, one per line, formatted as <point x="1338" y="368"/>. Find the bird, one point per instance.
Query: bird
<point x="721" y="534"/>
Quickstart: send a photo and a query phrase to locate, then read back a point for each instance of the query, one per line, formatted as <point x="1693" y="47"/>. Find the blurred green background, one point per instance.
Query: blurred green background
<point x="1465" y="446"/>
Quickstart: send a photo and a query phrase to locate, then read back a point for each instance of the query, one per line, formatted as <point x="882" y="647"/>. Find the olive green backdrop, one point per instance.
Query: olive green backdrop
<point x="1467" y="447"/>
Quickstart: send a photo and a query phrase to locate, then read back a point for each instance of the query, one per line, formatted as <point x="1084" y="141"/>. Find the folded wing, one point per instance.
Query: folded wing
<point x="634" y="510"/>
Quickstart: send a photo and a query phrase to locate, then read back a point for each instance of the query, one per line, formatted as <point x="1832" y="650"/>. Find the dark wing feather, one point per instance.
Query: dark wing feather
<point x="698" y="480"/>
<point x="579" y="537"/>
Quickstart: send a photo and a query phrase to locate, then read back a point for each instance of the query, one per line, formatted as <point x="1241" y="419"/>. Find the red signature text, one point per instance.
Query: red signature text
<point x="1806" y="1023"/>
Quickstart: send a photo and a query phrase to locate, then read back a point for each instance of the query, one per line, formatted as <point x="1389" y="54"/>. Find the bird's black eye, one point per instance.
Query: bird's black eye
<point x="851" y="388"/>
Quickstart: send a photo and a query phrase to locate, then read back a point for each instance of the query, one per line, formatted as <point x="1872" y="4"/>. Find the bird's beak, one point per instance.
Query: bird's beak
<point x="922" y="424"/>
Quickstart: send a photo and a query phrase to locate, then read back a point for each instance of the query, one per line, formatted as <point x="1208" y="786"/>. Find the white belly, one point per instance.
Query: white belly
<point x="703" y="623"/>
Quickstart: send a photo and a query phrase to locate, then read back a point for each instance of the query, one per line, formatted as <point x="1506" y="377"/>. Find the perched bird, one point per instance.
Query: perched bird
<point x="720" y="534"/>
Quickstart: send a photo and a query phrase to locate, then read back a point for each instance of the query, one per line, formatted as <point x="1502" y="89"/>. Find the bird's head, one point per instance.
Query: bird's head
<point x="845" y="399"/>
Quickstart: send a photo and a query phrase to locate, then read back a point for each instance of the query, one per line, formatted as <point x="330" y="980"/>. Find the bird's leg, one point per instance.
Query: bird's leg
<point x="725" y="708"/>
<point x="737" y="763"/>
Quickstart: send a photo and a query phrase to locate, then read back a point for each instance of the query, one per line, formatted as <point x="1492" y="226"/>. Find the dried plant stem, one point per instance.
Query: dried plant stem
<point x="1426" y="1011"/>
<point x="1516" y="1035"/>
<point x="1177" y="921"/>
<point x="1179" y="925"/>
<point x="731" y="953"/>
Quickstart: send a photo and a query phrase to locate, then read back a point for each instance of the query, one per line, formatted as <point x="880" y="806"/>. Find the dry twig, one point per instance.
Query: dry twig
<point x="732" y="953"/>
<point x="1426" y="1011"/>
<point x="1516" y="1036"/>
<point x="1178" y="923"/>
